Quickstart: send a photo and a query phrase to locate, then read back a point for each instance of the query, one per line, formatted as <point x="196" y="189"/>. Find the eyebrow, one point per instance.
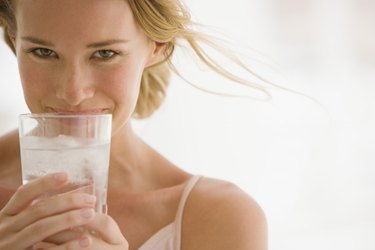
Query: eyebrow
<point x="91" y="45"/>
<point x="106" y="43"/>
<point x="37" y="41"/>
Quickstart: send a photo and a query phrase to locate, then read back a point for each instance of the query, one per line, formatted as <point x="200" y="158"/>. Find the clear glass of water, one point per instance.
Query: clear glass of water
<point x="76" y="144"/>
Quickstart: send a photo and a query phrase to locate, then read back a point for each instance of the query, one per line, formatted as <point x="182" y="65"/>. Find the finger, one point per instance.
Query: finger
<point x="90" y="242"/>
<point x="69" y="235"/>
<point x="94" y="243"/>
<point x="42" y="245"/>
<point x="107" y="228"/>
<point x="52" y="225"/>
<point x="52" y="206"/>
<point x="25" y="194"/>
<point x="64" y="236"/>
<point x="83" y="242"/>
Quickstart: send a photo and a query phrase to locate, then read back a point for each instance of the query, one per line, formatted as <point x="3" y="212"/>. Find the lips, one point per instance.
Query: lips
<point x="77" y="120"/>
<point x="97" y="111"/>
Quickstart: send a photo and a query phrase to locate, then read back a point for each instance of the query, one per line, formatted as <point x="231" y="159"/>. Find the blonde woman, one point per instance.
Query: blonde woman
<point x="113" y="56"/>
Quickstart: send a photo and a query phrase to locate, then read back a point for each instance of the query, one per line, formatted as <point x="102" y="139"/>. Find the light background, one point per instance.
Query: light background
<point x="309" y="165"/>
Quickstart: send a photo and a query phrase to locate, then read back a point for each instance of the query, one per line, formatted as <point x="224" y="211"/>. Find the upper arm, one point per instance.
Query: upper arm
<point x="224" y="217"/>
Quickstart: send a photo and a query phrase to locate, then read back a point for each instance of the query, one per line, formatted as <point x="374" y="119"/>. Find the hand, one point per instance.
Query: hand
<point x="106" y="235"/>
<point x="23" y="224"/>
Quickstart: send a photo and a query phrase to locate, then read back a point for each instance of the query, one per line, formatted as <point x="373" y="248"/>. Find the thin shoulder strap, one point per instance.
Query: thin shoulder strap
<point x="180" y="211"/>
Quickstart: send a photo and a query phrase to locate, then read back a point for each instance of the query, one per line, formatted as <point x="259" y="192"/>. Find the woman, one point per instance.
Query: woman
<point x="112" y="56"/>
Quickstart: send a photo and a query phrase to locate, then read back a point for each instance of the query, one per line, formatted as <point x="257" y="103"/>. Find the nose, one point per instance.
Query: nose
<point x="75" y="84"/>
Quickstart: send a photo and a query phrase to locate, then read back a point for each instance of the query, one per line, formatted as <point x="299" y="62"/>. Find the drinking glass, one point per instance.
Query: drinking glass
<point x="76" y="144"/>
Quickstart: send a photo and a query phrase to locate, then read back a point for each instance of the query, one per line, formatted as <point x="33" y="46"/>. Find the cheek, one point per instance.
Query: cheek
<point x="122" y="87"/>
<point x="35" y="83"/>
<point x="122" y="83"/>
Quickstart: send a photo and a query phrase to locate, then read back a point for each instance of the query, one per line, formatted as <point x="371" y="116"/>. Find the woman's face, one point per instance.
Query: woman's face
<point x="81" y="56"/>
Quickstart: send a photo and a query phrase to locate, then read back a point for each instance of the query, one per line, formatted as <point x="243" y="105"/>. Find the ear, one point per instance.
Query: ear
<point x="156" y="53"/>
<point x="11" y="39"/>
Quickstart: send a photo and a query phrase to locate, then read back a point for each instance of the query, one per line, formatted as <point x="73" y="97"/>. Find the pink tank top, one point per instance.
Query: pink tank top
<point x="169" y="237"/>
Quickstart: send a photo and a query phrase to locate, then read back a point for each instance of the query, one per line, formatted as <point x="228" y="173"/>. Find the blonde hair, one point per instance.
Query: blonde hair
<point x="165" y="22"/>
<point x="7" y="20"/>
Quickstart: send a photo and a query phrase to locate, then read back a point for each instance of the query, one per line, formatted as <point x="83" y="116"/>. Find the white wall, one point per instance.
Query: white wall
<point x="310" y="166"/>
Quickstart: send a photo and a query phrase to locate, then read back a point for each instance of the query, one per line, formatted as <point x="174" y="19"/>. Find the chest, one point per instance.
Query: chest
<point x="140" y="219"/>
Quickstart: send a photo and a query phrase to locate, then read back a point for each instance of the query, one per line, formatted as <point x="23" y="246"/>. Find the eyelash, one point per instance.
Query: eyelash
<point x="39" y="53"/>
<point x="113" y="54"/>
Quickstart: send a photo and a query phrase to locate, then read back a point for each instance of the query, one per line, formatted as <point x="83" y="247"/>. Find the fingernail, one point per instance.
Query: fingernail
<point x="87" y="212"/>
<point x="90" y="199"/>
<point x="84" y="242"/>
<point x="60" y="177"/>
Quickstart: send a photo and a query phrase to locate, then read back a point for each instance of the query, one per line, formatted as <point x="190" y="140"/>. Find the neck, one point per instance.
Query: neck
<point x="126" y="147"/>
<point x="135" y="167"/>
<point x="129" y="159"/>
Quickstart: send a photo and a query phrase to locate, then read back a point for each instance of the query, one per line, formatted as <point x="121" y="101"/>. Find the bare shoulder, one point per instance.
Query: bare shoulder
<point x="9" y="136"/>
<point x="9" y="159"/>
<point x="8" y="143"/>
<point x="219" y="215"/>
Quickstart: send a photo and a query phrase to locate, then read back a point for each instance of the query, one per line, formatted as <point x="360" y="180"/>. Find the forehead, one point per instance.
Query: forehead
<point x="79" y="19"/>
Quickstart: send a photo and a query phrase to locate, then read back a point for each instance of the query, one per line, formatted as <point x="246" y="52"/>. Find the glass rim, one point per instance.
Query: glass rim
<point x="57" y="115"/>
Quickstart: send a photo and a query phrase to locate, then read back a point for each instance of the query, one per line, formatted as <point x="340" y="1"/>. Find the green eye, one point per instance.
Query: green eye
<point x="105" y="54"/>
<point x="42" y="52"/>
